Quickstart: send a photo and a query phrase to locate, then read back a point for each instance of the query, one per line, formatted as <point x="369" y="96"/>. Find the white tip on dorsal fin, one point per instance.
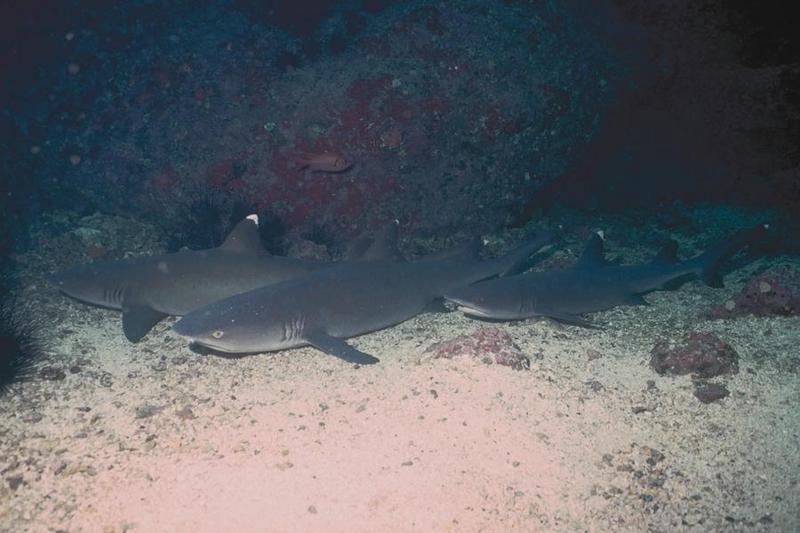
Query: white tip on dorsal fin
<point x="593" y="251"/>
<point x="244" y="237"/>
<point x="601" y="233"/>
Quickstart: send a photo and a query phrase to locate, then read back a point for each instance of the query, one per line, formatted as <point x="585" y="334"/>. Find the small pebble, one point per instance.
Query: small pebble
<point x="14" y="481"/>
<point x="146" y="411"/>
<point x="51" y="373"/>
<point x="709" y="392"/>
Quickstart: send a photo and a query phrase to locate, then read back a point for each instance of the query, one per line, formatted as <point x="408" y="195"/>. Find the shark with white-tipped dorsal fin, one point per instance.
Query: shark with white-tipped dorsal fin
<point x="592" y="283"/>
<point x="147" y="289"/>
<point x="325" y="307"/>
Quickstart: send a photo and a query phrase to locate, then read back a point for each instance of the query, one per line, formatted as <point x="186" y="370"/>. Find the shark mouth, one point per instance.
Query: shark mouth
<point x="203" y="346"/>
<point x="466" y="307"/>
<point x="472" y="311"/>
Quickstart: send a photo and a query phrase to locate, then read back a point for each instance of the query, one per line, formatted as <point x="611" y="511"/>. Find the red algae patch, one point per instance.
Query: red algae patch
<point x="704" y="355"/>
<point x="775" y="292"/>
<point x="488" y="344"/>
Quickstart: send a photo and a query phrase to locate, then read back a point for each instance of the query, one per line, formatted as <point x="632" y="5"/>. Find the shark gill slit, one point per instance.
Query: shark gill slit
<point x="292" y="329"/>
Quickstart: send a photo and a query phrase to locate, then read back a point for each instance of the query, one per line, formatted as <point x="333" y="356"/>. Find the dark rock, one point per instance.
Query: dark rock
<point x="704" y="355"/>
<point x="709" y="392"/>
<point x="106" y="379"/>
<point x="14" y="481"/>
<point x="146" y="410"/>
<point x="489" y="344"/>
<point x="51" y="373"/>
<point x="775" y="292"/>
<point x="595" y="386"/>
<point x="186" y="413"/>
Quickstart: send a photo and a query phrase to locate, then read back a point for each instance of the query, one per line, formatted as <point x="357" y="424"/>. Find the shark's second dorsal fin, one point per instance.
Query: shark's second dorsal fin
<point x="244" y="237"/>
<point x="593" y="252"/>
<point x="381" y="247"/>
<point x="357" y="248"/>
<point x="384" y="245"/>
<point x="668" y="254"/>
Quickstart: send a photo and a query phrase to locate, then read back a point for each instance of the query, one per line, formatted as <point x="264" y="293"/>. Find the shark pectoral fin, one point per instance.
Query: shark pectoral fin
<point x="138" y="319"/>
<point x="572" y="320"/>
<point x="338" y="348"/>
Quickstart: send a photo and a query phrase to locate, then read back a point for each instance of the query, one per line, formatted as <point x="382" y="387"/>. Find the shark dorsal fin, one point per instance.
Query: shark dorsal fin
<point x="357" y="248"/>
<point x="381" y="247"/>
<point x="244" y="237"/>
<point x="593" y="252"/>
<point x="384" y="245"/>
<point x="668" y="254"/>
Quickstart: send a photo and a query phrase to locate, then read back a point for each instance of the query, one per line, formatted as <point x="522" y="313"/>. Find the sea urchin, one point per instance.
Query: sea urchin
<point x="21" y="345"/>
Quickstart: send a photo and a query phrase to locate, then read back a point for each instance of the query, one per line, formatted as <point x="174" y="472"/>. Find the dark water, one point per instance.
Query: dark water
<point x="470" y="116"/>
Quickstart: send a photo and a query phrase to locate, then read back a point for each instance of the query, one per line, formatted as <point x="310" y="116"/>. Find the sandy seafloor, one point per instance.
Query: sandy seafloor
<point x="154" y="437"/>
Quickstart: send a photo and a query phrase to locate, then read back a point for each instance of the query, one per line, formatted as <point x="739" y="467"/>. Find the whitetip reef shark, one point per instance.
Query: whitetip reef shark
<point x="325" y="307"/>
<point x="592" y="283"/>
<point x="150" y="288"/>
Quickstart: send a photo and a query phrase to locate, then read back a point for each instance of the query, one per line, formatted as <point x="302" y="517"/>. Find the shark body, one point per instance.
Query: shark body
<point x="592" y="284"/>
<point x="147" y="289"/>
<point x="325" y="307"/>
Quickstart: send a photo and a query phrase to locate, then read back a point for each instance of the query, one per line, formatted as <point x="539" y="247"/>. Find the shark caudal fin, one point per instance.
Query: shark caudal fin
<point x="708" y="263"/>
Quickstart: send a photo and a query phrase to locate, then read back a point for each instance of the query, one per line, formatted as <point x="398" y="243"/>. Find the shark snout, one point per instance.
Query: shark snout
<point x="186" y="327"/>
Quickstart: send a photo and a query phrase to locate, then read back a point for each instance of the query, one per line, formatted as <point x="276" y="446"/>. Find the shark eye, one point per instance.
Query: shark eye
<point x="218" y="334"/>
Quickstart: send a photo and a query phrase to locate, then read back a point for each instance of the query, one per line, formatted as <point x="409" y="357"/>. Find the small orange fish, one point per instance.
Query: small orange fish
<point x="330" y="162"/>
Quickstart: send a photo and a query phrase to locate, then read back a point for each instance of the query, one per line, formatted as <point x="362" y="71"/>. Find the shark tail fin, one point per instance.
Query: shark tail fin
<point x="708" y="263"/>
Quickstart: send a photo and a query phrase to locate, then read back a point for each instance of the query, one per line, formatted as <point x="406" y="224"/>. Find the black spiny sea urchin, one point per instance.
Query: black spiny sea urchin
<point x="21" y="344"/>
